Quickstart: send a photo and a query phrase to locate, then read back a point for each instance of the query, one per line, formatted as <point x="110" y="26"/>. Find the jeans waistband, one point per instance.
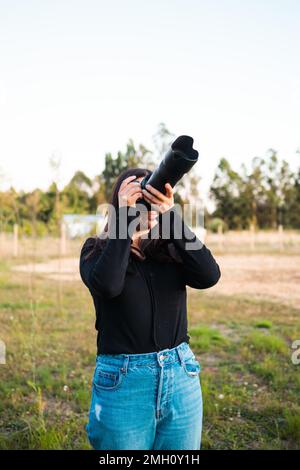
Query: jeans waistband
<point x="165" y="356"/>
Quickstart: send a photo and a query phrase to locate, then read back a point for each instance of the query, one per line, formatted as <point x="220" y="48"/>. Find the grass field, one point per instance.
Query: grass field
<point x="241" y="331"/>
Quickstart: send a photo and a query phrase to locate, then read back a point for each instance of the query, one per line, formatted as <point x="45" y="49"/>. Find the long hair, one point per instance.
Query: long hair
<point x="155" y="248"/>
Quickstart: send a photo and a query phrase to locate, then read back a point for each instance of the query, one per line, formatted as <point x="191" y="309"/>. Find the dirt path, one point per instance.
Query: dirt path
<point x="270" y="276"/>
<point x="65" y="269"/>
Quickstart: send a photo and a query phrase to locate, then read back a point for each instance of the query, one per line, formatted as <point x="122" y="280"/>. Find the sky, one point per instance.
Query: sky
<point x="78" y="79"/>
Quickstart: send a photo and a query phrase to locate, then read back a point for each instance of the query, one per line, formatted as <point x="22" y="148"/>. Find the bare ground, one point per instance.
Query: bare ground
<point x="275" y="277"/>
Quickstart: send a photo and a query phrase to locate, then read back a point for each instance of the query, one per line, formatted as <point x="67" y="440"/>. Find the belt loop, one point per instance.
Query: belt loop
<point x="180" y="354"/>
<point x="125" y="365"/>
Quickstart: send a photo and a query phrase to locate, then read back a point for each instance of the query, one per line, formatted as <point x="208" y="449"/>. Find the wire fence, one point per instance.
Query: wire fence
<point x="26" y="247"/>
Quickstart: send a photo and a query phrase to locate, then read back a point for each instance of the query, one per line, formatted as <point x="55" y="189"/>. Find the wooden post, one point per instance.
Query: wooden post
<point x="280" y="237"/>
<point x="63" y="239"/>
<point x="252" y="237"/>
<point x="2" y="243"/>
<point x="15" y="241"/>
<point x="220" y="236"/>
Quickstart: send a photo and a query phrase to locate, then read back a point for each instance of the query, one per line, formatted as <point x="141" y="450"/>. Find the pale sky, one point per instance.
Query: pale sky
<point x="79" y="78"/>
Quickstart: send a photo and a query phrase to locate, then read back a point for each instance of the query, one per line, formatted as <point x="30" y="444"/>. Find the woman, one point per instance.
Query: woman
<point x="146" y="390"/>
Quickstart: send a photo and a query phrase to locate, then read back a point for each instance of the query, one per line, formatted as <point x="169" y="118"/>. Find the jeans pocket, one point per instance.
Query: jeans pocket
<point x="107" y="376"/>
<point x="191" y="366"/>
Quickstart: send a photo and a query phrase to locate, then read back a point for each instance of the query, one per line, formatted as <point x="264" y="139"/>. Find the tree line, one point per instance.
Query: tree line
<point x="265" y="195"/>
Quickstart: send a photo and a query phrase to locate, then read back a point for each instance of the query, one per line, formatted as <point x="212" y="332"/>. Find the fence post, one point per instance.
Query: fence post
<point x="252" y="237"/>
<point x="15" y="241"/>
<point x="2" y="243"/>
<point x="63" y="242"/>
<point x="220" y="237"/>
<point x="280" y="237"/>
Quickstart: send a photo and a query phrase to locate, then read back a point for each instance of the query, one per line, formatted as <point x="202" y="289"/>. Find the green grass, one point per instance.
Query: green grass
<point x="204" y="338"/>
<point x="263" y="324"/>
<point x="267" y="343"/>
<point x="291" y="427"/>
<point x="250" y="387"/>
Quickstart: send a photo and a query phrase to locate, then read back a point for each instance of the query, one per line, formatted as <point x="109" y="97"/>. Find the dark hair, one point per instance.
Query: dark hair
<point x="153" y="248"/>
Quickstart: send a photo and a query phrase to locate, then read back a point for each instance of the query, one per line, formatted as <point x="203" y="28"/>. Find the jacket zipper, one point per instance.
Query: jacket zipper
<point x="153" y="303"/>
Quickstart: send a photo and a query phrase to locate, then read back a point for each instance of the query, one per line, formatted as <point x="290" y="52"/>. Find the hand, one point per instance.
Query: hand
<point x="147" y="222"/>
<point x="129" y="192"/>
<point x="159" y="201"/>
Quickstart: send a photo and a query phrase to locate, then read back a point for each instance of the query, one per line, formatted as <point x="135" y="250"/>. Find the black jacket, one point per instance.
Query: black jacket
<point x="141" y="304"/>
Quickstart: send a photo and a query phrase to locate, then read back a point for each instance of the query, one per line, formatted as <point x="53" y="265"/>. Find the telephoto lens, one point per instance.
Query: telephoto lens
<point x="179" y="159"/>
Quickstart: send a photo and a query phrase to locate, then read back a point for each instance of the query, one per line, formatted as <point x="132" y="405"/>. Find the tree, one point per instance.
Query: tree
<point x="132" y="158"/>
<point x="253" y="191"/>
<point x="78" y="193"/>
<point x="162" y="140"/>
<point x="226" y="190"/>
<point x="266" y="195"/>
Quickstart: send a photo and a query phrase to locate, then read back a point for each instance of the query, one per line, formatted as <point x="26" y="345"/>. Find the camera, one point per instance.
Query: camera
<point x="179" y="159"/>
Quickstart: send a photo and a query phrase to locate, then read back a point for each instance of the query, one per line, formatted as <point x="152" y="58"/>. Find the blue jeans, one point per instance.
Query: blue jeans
<point x="146" y="401"/>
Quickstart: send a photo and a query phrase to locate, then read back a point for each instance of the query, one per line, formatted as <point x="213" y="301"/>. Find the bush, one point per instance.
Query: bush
<point x="215" y="223"/>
